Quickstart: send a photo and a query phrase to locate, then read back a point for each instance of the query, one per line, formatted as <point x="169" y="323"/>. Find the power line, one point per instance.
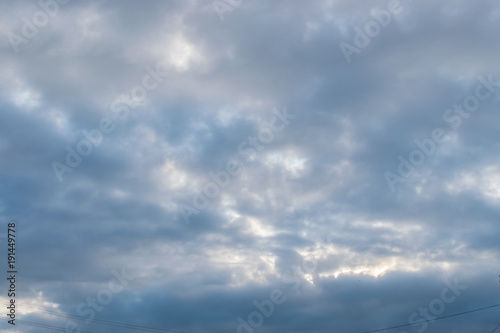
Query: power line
<point x="438" y="318"/>
<point x="60" y="329"/>
<point x="495" y="328"/>
<point x="56" y="328"/>
<point x="106" y="322"/>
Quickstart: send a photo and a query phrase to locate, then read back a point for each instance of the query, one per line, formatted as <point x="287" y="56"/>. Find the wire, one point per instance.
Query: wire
<point x="495" y="328"/>
<point x="60" y="329"/>
<point x="105" y="322"/>
<point x="56" y="328"/>
<point x="438" y="318"/>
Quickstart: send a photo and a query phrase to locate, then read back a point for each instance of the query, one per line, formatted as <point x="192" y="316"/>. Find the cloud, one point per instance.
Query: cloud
<point x="316" y="191"/>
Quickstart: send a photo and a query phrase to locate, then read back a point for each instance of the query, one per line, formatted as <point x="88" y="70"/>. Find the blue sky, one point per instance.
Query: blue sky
<point x="252" y="166"/>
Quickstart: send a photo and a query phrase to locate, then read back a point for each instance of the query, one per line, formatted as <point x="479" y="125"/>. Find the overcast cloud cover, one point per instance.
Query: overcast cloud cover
<point x="316" y="216"/>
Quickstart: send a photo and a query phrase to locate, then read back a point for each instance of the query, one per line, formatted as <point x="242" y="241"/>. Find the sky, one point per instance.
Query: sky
<point x="251" y="165"/>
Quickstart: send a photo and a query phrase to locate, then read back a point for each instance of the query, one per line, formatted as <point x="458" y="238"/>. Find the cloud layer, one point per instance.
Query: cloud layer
<point x="122" y="123"/>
